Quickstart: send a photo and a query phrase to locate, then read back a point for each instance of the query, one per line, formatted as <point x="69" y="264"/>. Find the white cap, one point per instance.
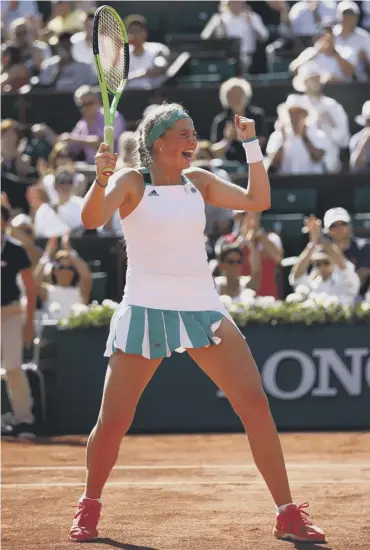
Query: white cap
<point x="319" y="254"/>
<point x="296" y="101"/>
<point x="305" y="72"/>
<point x="293" y="100"/>
<point x="21" y="219"/>
<point x="347" y="5"/>
<point x="336" y="215"/>
<point x="365" y="114"/>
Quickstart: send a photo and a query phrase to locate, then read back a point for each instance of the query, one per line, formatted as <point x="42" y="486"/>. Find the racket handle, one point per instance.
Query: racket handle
<point x="109" y="140"/>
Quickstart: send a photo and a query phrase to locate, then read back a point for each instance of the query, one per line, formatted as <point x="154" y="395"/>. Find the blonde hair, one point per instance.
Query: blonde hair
<point x="142" y="155"/>
<point x="234" y="82"/>
<point x="59" y="150"/>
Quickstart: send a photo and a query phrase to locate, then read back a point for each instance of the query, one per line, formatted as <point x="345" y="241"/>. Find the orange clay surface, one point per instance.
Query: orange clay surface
<point x="186" y="492"/>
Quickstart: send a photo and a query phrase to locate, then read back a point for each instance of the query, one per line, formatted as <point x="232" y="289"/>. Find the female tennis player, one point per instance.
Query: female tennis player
<point x="170" y="302"/>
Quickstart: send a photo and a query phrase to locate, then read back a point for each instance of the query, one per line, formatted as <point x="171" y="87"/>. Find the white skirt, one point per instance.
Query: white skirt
<point x="156" y="333"/>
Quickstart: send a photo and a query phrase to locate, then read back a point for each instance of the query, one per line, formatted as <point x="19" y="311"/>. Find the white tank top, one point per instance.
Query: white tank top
<point x="167" y="259"/>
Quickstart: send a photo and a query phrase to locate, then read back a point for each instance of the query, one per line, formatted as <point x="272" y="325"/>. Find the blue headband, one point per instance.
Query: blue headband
<point x="159" y="129"/>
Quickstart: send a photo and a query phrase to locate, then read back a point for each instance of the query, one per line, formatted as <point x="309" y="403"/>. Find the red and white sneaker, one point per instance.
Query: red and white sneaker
<point x="294" y="524"/>
<point x="85" y="521"/>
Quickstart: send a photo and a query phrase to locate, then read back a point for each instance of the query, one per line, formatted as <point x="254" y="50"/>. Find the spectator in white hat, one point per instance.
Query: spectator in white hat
<point x="331" y="273"/>
<point x="297" y="146"/>
<point x="329" y="115"/>
<point x="336" y="62"/>
<point x="337" y="225"/>
<point x="359" y="146"/>
<point x="348" y="35"/>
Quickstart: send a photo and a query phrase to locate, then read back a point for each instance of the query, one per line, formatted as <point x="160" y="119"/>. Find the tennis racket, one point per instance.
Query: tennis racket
<point x="112" y="60"/>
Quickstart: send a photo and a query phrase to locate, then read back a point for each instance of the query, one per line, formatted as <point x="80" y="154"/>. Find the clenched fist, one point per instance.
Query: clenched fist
<point x="245" y="127"/>
<point x="105" y="163"/>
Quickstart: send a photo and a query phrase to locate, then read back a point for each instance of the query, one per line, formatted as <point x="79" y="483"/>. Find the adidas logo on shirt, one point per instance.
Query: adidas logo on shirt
<point x="153" y="193"/>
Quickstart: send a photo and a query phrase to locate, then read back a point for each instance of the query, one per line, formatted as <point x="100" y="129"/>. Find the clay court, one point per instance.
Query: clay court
<point x="186" y="493"/>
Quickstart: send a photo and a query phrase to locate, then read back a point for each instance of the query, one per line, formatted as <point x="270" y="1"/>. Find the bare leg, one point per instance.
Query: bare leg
<point x="127" y="376"/>
<point x="231" y="366"/>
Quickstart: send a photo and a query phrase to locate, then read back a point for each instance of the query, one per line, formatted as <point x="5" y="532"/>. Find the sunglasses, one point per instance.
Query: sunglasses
<point x="233" y="262"/>
<point x="86" y="104"/>
<point x="21" y="32"/>
<point x="27" y="230"/>
<point x="321" y="263"/>
<point x="62" y="267"/>
<point x="338" y="224"/>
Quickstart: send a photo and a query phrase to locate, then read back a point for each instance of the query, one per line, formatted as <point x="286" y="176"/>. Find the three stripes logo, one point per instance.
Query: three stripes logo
<point x="153" y="193"/>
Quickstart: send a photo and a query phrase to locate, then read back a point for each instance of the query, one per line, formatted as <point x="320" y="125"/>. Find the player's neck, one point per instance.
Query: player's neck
<point x="165" y="175"/>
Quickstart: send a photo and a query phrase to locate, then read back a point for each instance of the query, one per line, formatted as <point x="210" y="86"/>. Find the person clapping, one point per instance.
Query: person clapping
<point x="331" y="273"/>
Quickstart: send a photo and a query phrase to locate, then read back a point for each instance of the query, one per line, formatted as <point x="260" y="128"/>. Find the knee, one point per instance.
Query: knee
<point x="253" y="406"/>
<point x="113" y="427"/>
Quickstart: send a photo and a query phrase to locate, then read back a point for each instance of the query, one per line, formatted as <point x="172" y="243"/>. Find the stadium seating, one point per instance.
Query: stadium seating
<point x="289" y="228"/>
<point x="361" y="224"/>
<point x="209" y="70"/>
<point x="362" y="199"/>
<point x="289" y="201"/>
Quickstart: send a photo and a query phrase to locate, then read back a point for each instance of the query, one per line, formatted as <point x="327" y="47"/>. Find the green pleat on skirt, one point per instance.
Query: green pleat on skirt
<point x="156" y="333"/>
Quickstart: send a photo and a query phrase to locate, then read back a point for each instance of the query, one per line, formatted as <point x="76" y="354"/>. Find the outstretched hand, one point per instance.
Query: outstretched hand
<point x="245" y="127"/>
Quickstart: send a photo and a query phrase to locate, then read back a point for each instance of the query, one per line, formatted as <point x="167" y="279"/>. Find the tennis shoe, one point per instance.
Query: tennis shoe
<point x="294" y="524"/>
<point x="85" y="521"/>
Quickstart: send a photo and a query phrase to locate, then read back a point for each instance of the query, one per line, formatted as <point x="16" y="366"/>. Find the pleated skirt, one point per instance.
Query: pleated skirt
<point x="156" y="333"/>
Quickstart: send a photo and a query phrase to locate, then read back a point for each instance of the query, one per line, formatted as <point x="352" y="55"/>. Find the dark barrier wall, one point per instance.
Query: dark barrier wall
<point x="203" y="104"/>
<point x="315" y="377"/>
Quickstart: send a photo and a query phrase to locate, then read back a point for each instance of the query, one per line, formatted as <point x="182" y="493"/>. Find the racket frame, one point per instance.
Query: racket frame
<point x="109" y="109"/>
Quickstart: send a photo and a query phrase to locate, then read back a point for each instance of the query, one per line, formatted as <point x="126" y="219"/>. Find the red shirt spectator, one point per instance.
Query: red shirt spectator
<point x="247" y="227"/>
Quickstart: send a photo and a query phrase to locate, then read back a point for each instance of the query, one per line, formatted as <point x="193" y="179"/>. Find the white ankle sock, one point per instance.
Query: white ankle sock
<point x="283" y="507"/>
<point x="88" y="498"/>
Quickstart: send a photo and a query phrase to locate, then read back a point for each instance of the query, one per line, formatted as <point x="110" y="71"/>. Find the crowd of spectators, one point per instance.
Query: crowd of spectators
<point x="45" y="175"/>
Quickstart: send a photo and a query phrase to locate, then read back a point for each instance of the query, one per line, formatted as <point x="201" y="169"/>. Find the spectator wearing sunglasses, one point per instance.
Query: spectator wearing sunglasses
<point x="63" y="279"/>
<point x="248" y="229"/>
<point x="69" y="205"/>
<point x="232" y="283"/>
<point x="338" y="228"/>
<point x="88" y="133"/>
<point x="59" y="159"/>
<point x="331" y="273"/>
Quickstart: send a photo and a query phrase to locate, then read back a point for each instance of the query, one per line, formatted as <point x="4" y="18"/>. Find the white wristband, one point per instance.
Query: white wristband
<point x="253" y="151"/>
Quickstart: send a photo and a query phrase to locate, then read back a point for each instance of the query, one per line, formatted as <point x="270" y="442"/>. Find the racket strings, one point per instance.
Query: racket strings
<point x="111" y="48"/>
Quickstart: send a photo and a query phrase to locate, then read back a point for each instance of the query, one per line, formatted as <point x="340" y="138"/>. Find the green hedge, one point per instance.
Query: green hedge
<point x="260" y="310"/>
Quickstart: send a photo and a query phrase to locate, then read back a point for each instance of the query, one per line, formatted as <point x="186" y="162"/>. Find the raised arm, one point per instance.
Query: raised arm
<point x="81" y="267"/>
<point x="99" y="202"/>
<point x="255" y="267"/>
<point x="221" y="193"/>
<point x="313" y="226"/>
